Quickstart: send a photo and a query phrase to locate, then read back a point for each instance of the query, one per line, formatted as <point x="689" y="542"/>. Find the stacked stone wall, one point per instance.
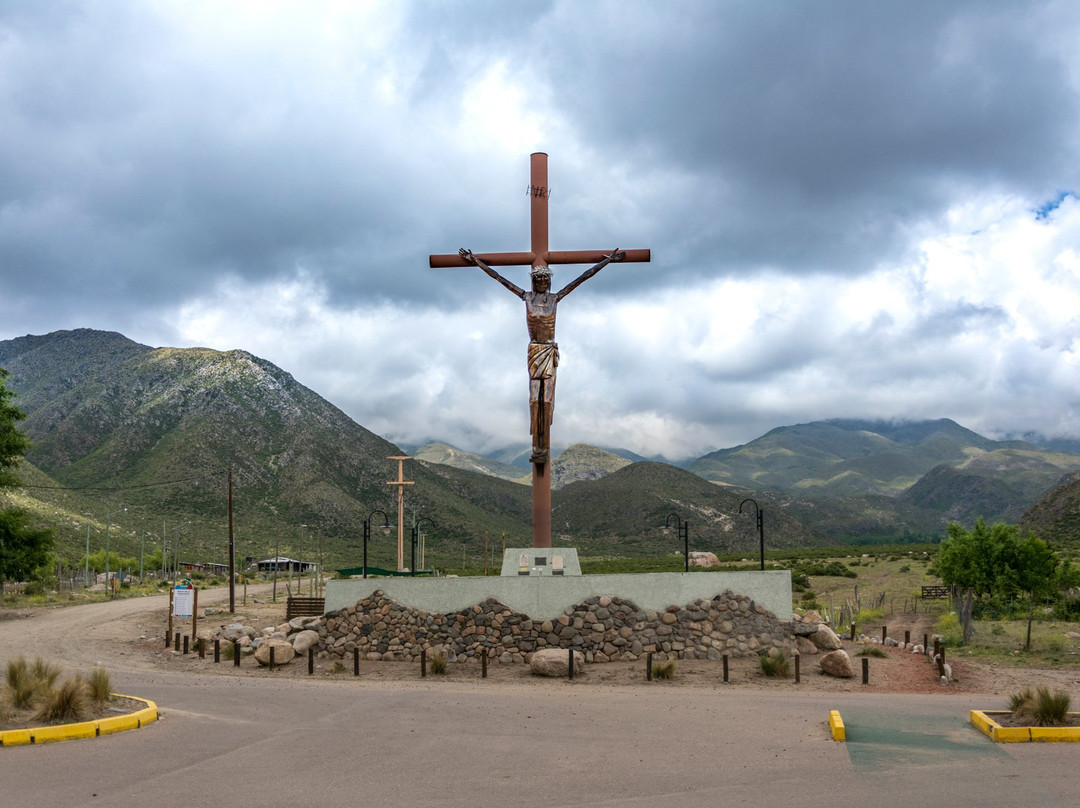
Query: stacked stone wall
<point x="603" y="628"/>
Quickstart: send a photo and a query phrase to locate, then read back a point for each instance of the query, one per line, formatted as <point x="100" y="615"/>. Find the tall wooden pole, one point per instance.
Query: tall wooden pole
<point x="232" y="553"/>
<point x="400" y="482"/>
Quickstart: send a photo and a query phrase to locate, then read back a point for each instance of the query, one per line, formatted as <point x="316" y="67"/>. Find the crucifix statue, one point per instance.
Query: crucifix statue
<point x="540" y="309"/>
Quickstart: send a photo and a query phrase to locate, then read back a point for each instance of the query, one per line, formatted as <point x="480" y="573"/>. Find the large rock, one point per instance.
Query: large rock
<point x="825" y="639"/>
<point x="837" y="663"/>
<point x="304" y="640"/>
<point x="234" y="631"/>
<point x="805" y="646"/>
<point x="283" y="652"/>
<point x="302" y="622"/>
<point x="812" y="616"/>
<point x="555" y="662"/>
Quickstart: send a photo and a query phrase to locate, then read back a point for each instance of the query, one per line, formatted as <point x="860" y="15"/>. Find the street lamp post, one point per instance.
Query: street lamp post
<point x="415" y="540"/>
<point x="86" y="573"/>
<point x="367" y="532"/>
<point x="760" y="526"/>
<point x="108" y="516"/>
<point x="682" y="528"/>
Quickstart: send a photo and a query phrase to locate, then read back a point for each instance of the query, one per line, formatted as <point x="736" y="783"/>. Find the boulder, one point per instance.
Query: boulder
<point x="555" y="662"/>
<point x="837" y="663"/>
<point x="804" y="646"/>
<point x="812" y="617"/>
<point x="235" y="631"/>
<point x="300" y="623"/>
<point x="804" y="629"/>
<point x="305" y="640"/>
<point x="825" y="639"/>
<point x="283" y="652"/>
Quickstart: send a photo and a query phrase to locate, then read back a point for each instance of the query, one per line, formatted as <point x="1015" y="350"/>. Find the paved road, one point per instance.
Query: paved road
<point x="276" y="742"/>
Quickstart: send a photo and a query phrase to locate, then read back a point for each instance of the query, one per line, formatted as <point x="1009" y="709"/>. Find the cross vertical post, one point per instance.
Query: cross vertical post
<point x="540" y="308"/>
<point x="400" y="482"/>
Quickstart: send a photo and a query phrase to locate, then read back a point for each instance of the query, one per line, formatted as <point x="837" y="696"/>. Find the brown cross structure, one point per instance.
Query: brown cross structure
<point x="400" y="482"/>
<point x="540" y="317"/>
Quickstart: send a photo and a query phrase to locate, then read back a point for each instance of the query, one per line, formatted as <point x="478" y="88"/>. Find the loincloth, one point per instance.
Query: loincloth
<point x="543" y="359"/>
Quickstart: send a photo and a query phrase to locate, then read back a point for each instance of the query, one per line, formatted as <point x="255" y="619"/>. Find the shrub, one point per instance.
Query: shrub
<point x="1043" y="707"/>
<point x="949" y="629"/>
<point x="64" y="704"/>
<point x="665" y="669"/>
<point x="99" y="685"/>
<point x="774" y="664"/>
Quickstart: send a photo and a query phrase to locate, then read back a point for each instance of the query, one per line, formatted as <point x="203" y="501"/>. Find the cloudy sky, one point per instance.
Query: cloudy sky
<point x="854" y="209"/>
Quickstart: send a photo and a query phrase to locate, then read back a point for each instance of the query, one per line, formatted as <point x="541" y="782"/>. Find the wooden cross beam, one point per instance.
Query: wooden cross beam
<point x="400" y="482"/>
<point x="540" y="255"/>
<point x="540" y="306"/>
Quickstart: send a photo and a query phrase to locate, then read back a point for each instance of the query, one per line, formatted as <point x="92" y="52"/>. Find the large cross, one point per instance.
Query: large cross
<point x="540" y="318"/>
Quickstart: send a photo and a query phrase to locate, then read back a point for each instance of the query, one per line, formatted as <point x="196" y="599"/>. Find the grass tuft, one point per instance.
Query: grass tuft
<point x="774" y="664"/>
<point x="99" y="685"/>
<point x="19" y="683"/>
<point x="1042" y="707"/>
<point x="665" y="669"/>
<point x="438" y="662"/>
<point x="64" y="704"/>
<point x="872" y="650"/>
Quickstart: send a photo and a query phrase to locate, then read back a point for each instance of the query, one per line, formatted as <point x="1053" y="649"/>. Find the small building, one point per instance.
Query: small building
<point x="283" y="564"/>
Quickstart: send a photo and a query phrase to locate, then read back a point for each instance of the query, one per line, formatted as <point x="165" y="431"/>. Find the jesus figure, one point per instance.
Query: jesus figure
<point x="540" y="307"/>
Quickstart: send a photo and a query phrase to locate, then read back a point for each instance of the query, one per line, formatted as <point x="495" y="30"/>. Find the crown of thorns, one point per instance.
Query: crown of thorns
<point x="540" y="271"/>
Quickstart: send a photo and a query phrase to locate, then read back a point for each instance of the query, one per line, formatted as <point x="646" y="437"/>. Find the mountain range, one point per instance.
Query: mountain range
<point x="117" y="424"/>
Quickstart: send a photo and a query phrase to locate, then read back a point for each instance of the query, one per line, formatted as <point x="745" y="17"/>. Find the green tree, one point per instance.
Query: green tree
<point x="23" y="547"/>
<point x="13" y="443"/>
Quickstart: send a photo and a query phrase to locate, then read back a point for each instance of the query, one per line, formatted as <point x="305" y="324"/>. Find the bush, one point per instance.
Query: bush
<point x="774" y="664"/>
<point x="1042" y="708"/>
<point x="949" y="629"/>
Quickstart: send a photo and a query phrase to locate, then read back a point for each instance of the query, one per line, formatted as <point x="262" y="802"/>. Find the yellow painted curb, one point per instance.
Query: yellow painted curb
<point x="836" y="726"/>
<point x="83" y="729"/>
<point x="983" y="719"/>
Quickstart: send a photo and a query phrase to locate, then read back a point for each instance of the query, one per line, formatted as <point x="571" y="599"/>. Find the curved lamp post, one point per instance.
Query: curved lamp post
<point x="760" y="526"/>
<point x="385" y="526"/>
<point x="682" y="528"/>
<point x="108" y="516"/>
<point x="415" y="541"/>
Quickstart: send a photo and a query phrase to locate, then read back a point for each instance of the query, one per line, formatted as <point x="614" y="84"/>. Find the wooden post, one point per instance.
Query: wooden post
<point x="169" y="633"/>
<point x="725" y="667"/>
<point x="648" y="666"/>
<point x="310" y="661"/>
<point x="483" y="666"/>
<point x="271" y="657"/>
<point x="356" y="662"/>
<point x="423" y="662"/>
<point x="186" y="638"/>
<point x="217" y="650"/>
<point x="865" y="671"/>
<point x="853" y="632"/>
<point x="195" y="612"/>
<point x="907" y="637"/>
<point x="797" y="679"/>
<point x="176" y="641"/>
<point x="236" y="655"/>
<point x="884" y="630"/>
<point x="570" y="665"/>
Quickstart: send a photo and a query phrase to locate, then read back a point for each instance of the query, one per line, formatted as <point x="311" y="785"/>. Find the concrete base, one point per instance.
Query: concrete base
<point x="546" y="597"/>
